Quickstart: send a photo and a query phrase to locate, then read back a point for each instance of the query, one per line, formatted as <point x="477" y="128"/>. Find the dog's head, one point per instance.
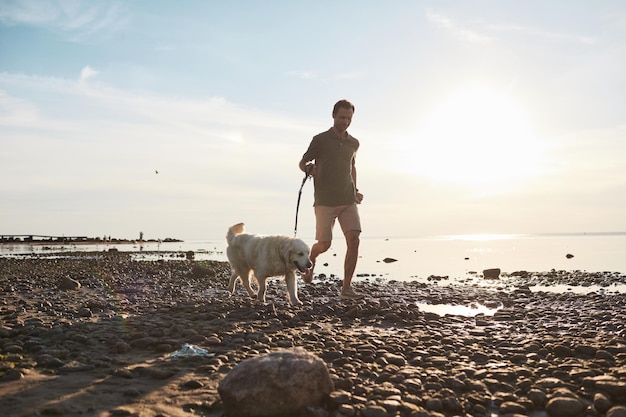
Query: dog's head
<point x="296" y="253"/>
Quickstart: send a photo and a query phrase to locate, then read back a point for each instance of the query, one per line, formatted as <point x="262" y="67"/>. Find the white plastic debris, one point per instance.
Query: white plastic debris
<point x="190" y="350"/>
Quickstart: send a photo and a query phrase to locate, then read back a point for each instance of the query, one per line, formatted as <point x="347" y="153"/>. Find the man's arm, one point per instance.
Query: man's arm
<point x="306" y="163"/>
<point x="358" y="195"/>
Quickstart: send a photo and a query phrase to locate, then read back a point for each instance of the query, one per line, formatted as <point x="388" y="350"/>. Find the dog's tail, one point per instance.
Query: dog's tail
<point x="234" y="230"/>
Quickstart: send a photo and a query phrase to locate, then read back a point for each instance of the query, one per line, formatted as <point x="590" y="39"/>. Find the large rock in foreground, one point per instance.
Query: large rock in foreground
<point x="280" y="383"/>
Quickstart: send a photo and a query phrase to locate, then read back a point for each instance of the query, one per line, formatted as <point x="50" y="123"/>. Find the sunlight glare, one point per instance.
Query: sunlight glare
<point x="476" y="138"/>
<point x="484" y="237"/>
<point x="235" y="137"/>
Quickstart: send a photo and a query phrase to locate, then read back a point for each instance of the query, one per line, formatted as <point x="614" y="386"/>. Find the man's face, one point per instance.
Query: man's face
<point x="342" y="119"/>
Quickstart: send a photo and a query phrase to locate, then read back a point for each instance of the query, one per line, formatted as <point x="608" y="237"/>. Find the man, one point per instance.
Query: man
<point x="330" y="159"/>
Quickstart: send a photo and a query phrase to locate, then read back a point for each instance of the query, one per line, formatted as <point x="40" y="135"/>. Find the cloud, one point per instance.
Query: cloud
<point x="90" y="144"/>
<point x="87" y="73"/>
<point x="308" y="75"/>
<point x="472" y="35"/>
<point x="77" y="18"/>
<point x="349" y="75"/>
<point x="137" y="114"/>
<point x="451" y="26"/>
<point x="16" y="111"/>
<point x="28" y="12"/>
<point x="542" y="34"/>
<point x="302" y="74"/>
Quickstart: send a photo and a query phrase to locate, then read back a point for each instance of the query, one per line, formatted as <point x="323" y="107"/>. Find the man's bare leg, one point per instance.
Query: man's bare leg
<point x="317" y="249"/>
<point x="352" y="255"/>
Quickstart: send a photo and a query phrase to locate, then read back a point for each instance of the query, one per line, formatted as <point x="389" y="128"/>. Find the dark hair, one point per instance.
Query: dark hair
<point x="342" y="104"/>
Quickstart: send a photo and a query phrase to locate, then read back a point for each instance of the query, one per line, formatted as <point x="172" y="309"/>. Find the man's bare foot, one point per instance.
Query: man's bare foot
<point x="349" y="294"/>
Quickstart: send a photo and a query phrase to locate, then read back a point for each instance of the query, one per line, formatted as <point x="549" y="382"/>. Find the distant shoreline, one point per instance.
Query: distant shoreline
<point x="60" y="241"/>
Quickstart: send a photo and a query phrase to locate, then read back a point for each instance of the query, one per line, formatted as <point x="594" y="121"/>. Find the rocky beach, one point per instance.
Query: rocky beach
<point x="96" y="334"/>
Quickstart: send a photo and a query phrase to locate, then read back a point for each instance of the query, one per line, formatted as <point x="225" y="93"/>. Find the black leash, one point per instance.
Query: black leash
<point x="295" y="229"/>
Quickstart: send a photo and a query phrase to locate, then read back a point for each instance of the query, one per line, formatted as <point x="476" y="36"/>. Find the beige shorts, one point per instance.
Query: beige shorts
<point x="325" y="217"/>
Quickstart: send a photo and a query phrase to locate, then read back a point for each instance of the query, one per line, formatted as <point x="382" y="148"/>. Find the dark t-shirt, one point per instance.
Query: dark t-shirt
<point x="334" y="159"/>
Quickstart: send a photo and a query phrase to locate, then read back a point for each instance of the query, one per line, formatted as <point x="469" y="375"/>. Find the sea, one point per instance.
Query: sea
<point x="411" y="258"/>
<point x="440" y="260"/>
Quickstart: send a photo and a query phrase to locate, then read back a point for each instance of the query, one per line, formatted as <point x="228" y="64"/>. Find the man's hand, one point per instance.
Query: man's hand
<point x="359" y="197"/>
<point x="310" y="169"/>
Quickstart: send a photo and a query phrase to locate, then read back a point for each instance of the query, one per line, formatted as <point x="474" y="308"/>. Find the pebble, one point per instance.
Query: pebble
<point x="563" y="354"/>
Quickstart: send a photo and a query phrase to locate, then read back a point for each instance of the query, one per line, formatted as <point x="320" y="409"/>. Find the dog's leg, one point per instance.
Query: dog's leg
<point x="292" y="288"/>
<point x="261" y="280"/>
<point x="233" y="282"/>
<point x="245" y="280"/>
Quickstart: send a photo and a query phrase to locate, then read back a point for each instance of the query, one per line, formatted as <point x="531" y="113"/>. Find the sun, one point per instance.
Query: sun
<point x="234" y="137"/>
<point x="478" y="138"/>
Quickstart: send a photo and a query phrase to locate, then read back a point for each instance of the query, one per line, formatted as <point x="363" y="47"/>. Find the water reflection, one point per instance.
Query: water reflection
<point x="580" y="289"/>
<point x="458" y="310"/>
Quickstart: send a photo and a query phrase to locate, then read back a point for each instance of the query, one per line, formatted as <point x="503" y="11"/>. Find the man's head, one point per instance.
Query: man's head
<point x="342" y="115"/>
<point x="342" y="104"/>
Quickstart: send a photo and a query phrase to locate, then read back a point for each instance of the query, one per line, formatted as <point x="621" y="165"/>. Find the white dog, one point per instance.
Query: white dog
<point x="266" y="256"/>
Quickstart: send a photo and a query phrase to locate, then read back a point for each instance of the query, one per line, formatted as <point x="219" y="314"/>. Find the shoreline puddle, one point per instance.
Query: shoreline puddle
<point x="472" y="310"/>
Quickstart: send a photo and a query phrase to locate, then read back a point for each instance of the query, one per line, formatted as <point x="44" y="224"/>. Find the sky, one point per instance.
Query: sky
<point x="178" y="119"/>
